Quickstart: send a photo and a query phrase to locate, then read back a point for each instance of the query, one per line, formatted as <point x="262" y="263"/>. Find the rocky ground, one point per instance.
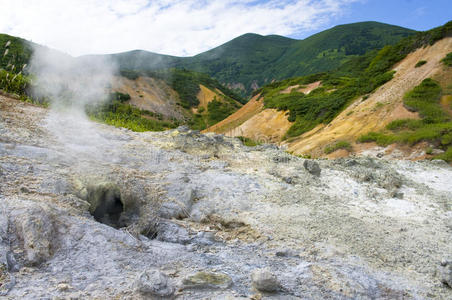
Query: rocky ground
<point x="90" y="211"/>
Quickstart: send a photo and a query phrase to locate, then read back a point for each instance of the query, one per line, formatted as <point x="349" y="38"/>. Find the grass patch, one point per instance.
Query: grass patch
<point x="120" y="114"/>
<point x="339" y="145"/>
<point x="420" y="63"/>
<point x="447" y="156"/>
<point x="248" y="142"/>
<point x="448" y="60"/>
<point x="424" y="99"/>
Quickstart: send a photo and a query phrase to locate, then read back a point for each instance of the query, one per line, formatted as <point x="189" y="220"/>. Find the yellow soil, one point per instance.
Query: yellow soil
<point x="253" y="107"/>
<point x="269" y="125"/>
<point x="382" y="107"/>
<point x="306" y="90"/>
<point x="206" y="95"/>
<point x="257" y="123"/>
<point x="310" y="87"/>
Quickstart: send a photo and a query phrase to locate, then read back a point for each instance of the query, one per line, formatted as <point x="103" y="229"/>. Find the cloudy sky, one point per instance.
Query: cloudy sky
<point x="188" y="27"/>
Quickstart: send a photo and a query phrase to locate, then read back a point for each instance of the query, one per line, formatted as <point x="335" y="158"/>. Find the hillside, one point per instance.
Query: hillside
<point x="250" y="61"/>
<point x="312" y="114"/>
<point x="139" y="101"/>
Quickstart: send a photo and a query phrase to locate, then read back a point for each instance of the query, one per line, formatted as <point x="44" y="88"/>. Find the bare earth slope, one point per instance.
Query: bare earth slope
<point x="256" y="122"/>
<point x="150" y="94"/>
<point x="382" y="107"/>
<point x="89" y="211"/>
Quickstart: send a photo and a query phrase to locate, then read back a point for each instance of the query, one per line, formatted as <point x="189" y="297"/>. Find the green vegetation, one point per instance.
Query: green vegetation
<point x="322" y="104"/>
<point x="119" y="114"/>
<point x="420" y="63"/>
<point x="425" y="99"/>
<point x="448" y="59"/>
<point x="435" y="125"/>
<point x="248" y="142"/>
<point x="254" y="59"/>
<point x="357" y="76"/>
<point x="185" y="83"/>
<point x="338" y="145"/>
<point x="220" y="110"/>
<point x="15" y="53"/>
<point x="216" y="111"/>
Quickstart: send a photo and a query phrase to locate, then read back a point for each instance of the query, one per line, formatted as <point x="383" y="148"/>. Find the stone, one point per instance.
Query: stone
<point x="172" y="233"/>
<point x="179" y="208"/>
<point x="207" y="280"/>
<point x="153" y="283"/>
<point x="265" y="281"/>
<point x="35" y="227"/>
<point x="312" y="167"/>
<point x="445" y="272"/>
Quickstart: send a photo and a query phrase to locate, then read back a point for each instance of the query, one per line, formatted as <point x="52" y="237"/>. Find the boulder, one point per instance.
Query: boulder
<point x="265" y="281"/>
<point x="445" y="272"/>
<point x="153" y="283"/>
<point x="312" y="167"/>
<point x="35" y="228"/>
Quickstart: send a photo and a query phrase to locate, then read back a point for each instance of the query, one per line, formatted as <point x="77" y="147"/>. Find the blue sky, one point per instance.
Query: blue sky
<point x="188" y="27"/>
<point x="414" y="14"/>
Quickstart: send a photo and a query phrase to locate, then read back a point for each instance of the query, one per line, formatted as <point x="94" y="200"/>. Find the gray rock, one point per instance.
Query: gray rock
<point x="445" y="272"/>
<point x="180" y="207"/>
<point x="263" y="280"/>
<point x="172" y="233"/>
<point x="207" y="280"/>
<point x="35" y="228"/>
<point x="153" y="283"/>
<point x="312" y="167"/>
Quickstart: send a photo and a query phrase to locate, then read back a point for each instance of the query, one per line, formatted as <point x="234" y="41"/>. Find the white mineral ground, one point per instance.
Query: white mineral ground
<point x="201" y="213"/>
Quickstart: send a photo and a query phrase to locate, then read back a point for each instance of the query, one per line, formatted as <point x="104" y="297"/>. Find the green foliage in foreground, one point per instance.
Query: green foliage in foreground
<point x="339" y="145"/>
<point x="14" y="83"/>
<point x="448" y="59"/>
<point x="124" y="115"/>
<point x="420" y="63"/>
<point x="435" y="126"/>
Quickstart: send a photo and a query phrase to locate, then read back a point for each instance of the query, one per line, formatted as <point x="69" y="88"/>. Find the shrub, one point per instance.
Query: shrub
<point x="420" y="63"/>
<point x="339" y="145"/>
<point x="248" y="142"/>
<point x="447" y="156"/>
<point x="424" y="99"/>
<point x="448" y="60"/>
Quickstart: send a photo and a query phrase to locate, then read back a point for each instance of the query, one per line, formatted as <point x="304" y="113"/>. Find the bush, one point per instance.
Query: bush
<point x="447" y="156"/>
<point x="420" y="63"/>
<point x="425" y="99"/>
<point x="119" y="114"/>
<point x="380" y="138"/>
<point x="448" y="60"/>
<point x="339" y="145"/>
<point x="248" y="142"/>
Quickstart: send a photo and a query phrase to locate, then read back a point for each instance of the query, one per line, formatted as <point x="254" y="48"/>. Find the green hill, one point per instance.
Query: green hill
<point x="252" y="60"/>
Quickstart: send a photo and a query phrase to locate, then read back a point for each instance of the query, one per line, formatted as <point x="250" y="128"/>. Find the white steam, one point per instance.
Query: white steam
<point x="70" y="84"/>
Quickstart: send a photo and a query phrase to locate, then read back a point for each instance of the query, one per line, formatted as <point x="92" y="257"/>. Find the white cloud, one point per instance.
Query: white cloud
<point x="175" y="27"/>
